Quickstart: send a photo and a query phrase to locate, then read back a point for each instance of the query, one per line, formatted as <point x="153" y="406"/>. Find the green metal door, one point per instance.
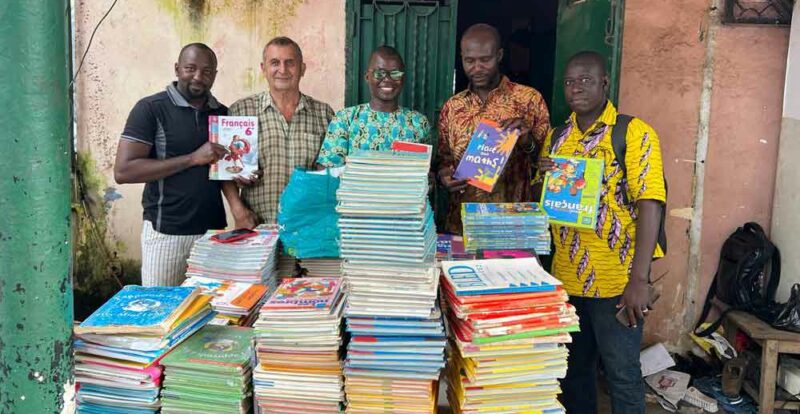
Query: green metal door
<point x="586" y="25"/>
<point x="424" y="32"/>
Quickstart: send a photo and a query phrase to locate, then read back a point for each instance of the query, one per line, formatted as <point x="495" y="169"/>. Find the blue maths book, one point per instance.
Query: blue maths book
<point x="571" y="192"/>
<point x="486" y="155"/>
<point x="140" y="310"/>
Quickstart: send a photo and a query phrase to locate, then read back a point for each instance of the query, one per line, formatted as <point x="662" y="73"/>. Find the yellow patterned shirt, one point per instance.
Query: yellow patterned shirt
<point x="597" y="263"/>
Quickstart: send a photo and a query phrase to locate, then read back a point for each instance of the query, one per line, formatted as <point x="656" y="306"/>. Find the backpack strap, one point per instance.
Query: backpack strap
<point x="557" y="131"/>
<point x="619" y="143"/>
<point x="775" y="256"/>
<point x="706" y="310"/>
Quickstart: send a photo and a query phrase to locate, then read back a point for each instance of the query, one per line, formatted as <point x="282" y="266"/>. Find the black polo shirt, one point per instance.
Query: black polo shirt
<point x="187" y="202"/>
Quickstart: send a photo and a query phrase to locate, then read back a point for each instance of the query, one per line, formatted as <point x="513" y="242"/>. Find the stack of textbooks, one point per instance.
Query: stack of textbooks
<point x="118" y="348"/>
<point x="298" y="342"/>
<point x="393" y="364"/>
<point x="211" y="372"/>
<point x="503" y="226"/>
<point x="331" y="267"/>
<point x="388" y="239"/>
<point x="388" y="244"/>
<point x="236" y="303"/>
<point x="250" y="260"/>
<point x="509" y="321"/>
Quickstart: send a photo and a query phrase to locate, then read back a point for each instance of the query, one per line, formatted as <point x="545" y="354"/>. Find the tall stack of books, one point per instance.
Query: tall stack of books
<point x="236" y="303"/>
<point x="298" y="344"/>
<point x="509" y="320"/>
<point x="388" y="243"/>
<point x="211" y="372"/>
<point x="118" y="347"/>
<point x="250" y="260"/>
<point x="502" y="226"/>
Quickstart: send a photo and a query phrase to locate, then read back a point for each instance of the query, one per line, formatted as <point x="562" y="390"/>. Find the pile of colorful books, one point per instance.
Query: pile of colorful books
<point x="211" y="373"/>
<point x="298" y="342"/>
<point x="118" y="347"/>
<point x="322" y="267"/>
<point x="394" y="363"/>
<point x="503" y="226"/>
<point x="236" y="303"/>
<point x="509" y="320"/>
<point x="250" y="260"/>
<point x="388" y="244"/>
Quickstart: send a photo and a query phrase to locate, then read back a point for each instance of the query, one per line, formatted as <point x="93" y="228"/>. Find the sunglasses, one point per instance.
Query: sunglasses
<point x="379" y="74"/>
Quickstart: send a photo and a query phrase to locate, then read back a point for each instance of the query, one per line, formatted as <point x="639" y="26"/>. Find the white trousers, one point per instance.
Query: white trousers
<point x="164" y="256"/>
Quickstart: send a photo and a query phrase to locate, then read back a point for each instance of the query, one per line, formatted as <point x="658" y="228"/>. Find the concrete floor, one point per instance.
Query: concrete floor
<point x="604" y="405"/>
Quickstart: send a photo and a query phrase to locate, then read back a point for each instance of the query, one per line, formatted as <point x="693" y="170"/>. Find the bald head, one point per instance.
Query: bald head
<point x="386" y="53"/>
<point x="590" y="59"/>
<point x="196" y="70"/>
<point x="198" y="48"/>
<point x="482" y="33"/>
<point x="586" y="85"/>
<point x="481" y="55"/>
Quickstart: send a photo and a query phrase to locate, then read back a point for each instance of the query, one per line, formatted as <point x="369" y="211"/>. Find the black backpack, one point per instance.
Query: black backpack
<point x="741" y="281"/>
<point x="620" y="144"/>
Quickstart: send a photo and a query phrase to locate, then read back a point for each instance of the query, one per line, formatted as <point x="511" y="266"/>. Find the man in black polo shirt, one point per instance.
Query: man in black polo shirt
<point x="165" y="145"/>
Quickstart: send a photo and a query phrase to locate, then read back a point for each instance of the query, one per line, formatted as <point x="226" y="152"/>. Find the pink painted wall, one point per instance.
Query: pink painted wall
<point x="746" y="112"/>
<point x="662" y="63"/>
<point x="662" y="72"/>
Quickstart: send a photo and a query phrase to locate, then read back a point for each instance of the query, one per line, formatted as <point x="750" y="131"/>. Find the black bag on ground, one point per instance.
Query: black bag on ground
<point x="788" y="316"/>
<point x="742" y="281"/>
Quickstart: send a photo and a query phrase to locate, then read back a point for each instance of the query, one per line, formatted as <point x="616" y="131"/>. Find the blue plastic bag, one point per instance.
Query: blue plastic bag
<point x="307" y="218"/>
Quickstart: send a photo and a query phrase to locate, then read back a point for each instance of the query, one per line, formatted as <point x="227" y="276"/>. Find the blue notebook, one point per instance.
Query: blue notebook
<point x="141" y="310"/>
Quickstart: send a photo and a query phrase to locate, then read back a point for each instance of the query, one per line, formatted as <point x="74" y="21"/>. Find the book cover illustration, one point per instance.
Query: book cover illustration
<point x="486" y="155"/>
<point x="571" y="192"/>
<point x="481" y="277"/>
<point x="213" y="345"/>
<point x="305" y="293"/>
<point x="239" y="135"/>
<point x="137" y="309"/>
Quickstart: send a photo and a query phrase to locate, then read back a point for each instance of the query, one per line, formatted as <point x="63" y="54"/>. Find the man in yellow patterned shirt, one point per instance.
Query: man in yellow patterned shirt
<point x="606" y="269"/>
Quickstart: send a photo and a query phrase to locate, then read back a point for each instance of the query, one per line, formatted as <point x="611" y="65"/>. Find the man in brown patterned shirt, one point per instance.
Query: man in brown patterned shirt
<point x="291" y="128"/>
<point x="492" y="96"/>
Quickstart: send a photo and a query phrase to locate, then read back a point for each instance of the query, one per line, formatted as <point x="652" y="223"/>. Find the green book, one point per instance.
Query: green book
<point x="571" y="191"/>
<point x="225" y="349"/>
<point x="523" y="335"/>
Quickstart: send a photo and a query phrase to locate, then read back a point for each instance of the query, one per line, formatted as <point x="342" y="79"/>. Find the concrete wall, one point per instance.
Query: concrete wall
<point x="133" y="53"/>
<point x="662" y="58"/>
<point x="785" y="220"/>
<point x="664" y="52"/>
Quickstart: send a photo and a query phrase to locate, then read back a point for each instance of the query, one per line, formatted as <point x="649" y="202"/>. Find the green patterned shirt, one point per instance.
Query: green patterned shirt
<point x="361" y="127"/>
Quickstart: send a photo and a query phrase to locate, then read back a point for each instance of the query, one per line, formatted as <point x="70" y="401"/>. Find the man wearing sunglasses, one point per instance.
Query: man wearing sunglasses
<point x="492" y="96"/>
<point x="381" y="121"/>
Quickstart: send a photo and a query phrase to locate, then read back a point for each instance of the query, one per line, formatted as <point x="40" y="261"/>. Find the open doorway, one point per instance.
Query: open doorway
<point x="528" y="32"/>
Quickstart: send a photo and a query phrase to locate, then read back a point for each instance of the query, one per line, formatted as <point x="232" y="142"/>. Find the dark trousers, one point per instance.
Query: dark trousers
<point x="616" y="346"/>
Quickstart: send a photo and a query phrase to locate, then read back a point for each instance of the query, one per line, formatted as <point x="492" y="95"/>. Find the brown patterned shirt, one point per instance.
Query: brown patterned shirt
<point x="461" y="114"/>
<point x="282" y="146"/>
